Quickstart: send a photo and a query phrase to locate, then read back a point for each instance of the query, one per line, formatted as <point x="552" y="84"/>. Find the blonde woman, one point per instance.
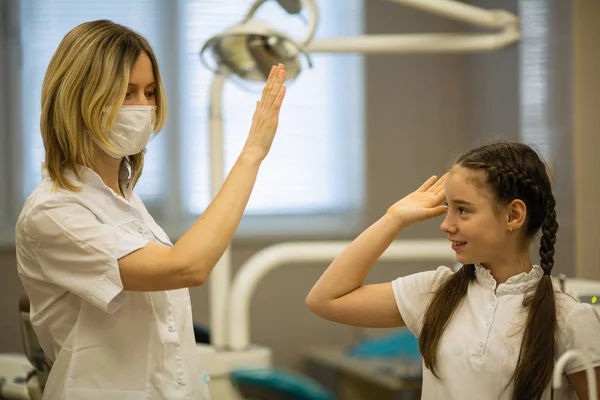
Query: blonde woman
<point x="108" y="290"/>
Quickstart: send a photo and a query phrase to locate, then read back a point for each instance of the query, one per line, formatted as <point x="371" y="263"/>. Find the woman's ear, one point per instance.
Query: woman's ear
<point x="516" y="213"/>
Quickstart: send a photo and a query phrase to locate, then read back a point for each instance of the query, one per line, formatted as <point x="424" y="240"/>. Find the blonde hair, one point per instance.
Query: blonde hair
<point x="88" y="74"/>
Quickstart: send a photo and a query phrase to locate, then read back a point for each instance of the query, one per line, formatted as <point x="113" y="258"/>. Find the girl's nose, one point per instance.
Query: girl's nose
<point x="447" y="225"/>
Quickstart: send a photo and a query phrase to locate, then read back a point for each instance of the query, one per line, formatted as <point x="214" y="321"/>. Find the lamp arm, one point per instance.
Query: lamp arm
<point x="313" y="18"/>
<point x="464" y="12"/>
<point x="417" y="43"/>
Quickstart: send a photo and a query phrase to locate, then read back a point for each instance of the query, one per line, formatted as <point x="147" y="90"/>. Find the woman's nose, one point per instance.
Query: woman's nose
<point x="142" y="100"/>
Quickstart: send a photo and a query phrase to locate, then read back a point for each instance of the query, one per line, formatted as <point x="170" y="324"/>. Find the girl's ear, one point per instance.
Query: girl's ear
<point x="516" y="214"/>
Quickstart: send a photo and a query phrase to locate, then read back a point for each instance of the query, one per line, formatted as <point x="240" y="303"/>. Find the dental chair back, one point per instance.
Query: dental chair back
<point x="33" y="352"/>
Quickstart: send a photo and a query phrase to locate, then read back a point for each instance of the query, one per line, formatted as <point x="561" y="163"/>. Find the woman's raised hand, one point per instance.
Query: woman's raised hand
<point x="266" y="115"/>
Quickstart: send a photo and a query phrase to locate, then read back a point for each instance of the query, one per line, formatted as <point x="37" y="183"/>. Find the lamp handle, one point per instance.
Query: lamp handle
<point x="313" y="19"/>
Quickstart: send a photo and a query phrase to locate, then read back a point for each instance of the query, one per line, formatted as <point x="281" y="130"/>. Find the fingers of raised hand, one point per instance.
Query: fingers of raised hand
<point x="431" y="200"/>
<point x="439" y="184"/>
<point x="440" y="197"/>
<point x="427" y="184"/>
<point x="279" y="99"/>
<point x="437" y="211"/>
<point x="439" y="187"/>
<point x="433" y="184"/>
<point x="269" y="83"/>
<point x="273" y="86"/>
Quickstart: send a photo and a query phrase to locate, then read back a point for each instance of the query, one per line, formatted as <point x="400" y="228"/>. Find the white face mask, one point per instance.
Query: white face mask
<point x="131" y="131"/>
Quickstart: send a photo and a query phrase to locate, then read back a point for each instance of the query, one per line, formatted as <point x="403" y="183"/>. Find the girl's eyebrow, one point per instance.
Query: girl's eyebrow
<point x="460" y="202"/>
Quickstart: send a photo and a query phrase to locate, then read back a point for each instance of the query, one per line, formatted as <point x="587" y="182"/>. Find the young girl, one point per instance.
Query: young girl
<point x="108" y="290"/>
<point x="494" y="329"/>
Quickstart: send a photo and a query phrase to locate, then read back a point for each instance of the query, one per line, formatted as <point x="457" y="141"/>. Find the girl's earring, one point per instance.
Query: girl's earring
<point x="510" y="230"/>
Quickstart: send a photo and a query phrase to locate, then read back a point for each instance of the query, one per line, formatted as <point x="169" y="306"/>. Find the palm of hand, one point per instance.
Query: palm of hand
<point x="423" y="203"/>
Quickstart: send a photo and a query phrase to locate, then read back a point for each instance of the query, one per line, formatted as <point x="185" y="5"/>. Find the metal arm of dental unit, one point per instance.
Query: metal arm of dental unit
<point x="284" y="254"/>
<point x="433" y="42"/>
<point x="589" y="372"/>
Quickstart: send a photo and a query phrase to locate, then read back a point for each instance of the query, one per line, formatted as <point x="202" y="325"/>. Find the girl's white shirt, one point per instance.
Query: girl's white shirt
<point x="478" y="351"/>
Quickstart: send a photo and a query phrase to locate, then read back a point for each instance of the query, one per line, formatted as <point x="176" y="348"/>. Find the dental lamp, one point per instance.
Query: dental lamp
<point x="248" y="49"/>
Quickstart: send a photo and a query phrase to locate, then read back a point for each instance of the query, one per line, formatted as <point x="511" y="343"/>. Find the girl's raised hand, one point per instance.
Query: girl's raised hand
<point x="422" y="204"/>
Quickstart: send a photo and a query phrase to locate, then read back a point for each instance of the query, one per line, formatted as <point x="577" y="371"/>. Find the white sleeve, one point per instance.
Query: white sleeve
<point x="413" y="293"/>
<point x="582" y="325"/>
<point x="79" y="253"/>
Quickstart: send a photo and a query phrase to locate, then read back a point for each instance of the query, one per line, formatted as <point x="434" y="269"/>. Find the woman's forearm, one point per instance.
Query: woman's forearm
<point x="205" y="242"/>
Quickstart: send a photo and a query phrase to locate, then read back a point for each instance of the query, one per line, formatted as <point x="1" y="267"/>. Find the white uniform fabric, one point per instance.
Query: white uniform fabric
<point x="478" y="352"/>
<point x="106" y="343"/>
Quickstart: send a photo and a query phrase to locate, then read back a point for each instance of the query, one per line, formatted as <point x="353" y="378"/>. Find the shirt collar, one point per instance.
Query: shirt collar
<point x="517" y="284"/>
<point x="89" y="177"/>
